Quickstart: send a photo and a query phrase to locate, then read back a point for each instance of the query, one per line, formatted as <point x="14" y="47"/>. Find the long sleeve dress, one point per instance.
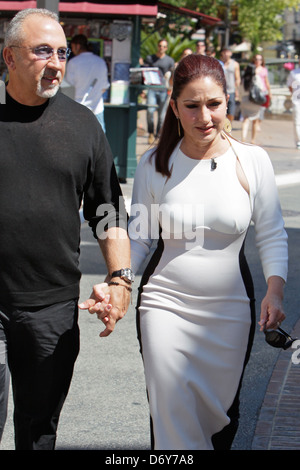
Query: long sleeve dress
<point x="196" y="300"/>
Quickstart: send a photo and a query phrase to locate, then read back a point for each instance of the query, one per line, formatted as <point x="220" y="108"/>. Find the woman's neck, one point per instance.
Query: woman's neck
<point x="201" y="151"/>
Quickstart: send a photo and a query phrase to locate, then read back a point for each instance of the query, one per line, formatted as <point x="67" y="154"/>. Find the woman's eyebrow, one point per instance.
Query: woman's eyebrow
<point x="197" y="101"/>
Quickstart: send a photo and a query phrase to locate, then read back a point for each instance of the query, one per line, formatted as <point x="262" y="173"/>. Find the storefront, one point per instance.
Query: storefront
<point x="113" y="30"/>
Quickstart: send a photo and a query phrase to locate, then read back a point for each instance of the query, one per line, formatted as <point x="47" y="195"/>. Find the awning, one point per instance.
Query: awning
<point x="109" y="8"/>
<point x="143" y="8"/>
<point x="115" y="7"/>
<point x="205" y="19"/>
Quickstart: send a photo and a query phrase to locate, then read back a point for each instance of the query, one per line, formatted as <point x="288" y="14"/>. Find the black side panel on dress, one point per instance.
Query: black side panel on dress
<point x="223" y="440"/>
<point x="155" y="258"/>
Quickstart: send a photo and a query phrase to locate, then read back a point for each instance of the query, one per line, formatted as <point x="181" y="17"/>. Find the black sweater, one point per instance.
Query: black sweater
<point x="51" y="157"/>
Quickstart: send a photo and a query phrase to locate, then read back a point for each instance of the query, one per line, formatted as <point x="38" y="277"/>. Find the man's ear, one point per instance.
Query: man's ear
<point x="9" y="58"/>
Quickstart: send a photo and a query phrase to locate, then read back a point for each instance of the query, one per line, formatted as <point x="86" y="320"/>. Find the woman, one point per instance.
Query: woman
<point x="200" y="190"/>
<point x="252" y="112"/>
<point x="262" y="72"/>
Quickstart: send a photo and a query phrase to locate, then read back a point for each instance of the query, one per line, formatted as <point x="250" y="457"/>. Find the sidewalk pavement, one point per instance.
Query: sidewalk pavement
<point x="278" y="423"/>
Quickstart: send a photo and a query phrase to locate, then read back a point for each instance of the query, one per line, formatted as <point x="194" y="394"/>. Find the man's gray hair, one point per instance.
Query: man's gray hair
<point x="14" y="32"/>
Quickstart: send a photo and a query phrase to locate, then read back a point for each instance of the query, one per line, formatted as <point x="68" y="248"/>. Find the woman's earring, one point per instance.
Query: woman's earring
<point x="227" y="126"/>
<point x="178" y="127"/>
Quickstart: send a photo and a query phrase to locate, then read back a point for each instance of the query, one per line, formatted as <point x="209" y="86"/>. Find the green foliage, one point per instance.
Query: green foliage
<point x="262" y="20"/>
<point x="176" y="44"/>
<point x="258" y="20"/>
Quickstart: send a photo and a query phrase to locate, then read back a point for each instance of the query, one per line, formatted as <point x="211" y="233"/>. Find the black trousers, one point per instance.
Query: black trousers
<point x="42" y="345"/>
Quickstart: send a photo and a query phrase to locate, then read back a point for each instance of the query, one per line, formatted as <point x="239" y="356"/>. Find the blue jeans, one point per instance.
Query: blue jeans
<point x="231" y="105"/>
<point x="159" y="98"/>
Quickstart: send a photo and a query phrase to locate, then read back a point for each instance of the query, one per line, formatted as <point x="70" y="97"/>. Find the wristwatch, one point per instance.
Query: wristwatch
<point x="126" y="274"/>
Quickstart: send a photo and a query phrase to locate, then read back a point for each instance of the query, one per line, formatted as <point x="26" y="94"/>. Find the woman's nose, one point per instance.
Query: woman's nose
<point x="204" y="114"/>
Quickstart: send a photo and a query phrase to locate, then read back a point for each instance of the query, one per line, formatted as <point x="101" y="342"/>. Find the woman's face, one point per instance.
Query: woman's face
<point x="201" y="108"/>
<point x="258" y="60"/>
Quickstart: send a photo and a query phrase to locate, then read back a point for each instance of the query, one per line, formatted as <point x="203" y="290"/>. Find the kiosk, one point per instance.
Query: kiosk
<point x="113" y="28"/>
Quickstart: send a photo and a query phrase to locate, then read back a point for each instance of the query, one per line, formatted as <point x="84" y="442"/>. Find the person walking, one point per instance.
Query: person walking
<point x="87" y="72"/>
<point x="261" y="71"/>
<point x="293" y="83"/>
<point x="250" y="110"/>
<point x="54" y="154"/>
<point x="200" y="47"/>
<point x="197" y="192"/>
<point x="159" y="96"/>
<point x="233" y="80"/>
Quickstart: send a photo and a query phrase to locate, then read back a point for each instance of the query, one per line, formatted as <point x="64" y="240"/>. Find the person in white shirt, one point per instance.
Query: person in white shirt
<point x="87" y="72"/>
<point x="194" y="197"/>
<point x="293" y="82"/>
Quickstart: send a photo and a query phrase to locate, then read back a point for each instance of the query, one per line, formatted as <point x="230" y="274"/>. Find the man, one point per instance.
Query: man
<point x="293" y="83"/>
<point x="201" y="48"/>
<point x="158" y="96"/>
<point x="88" y="74"/>
<point x="211" y="52"/>
<point x="233" y="80"/>
<point x="54" y="153"/>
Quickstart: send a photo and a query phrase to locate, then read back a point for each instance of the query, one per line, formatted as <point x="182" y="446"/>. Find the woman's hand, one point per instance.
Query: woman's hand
<point x="110" y="303"/>
<point x="272" y="313"/>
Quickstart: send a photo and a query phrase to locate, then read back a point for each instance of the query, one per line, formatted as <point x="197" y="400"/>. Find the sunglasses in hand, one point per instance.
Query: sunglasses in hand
<point x="279" y="338"/>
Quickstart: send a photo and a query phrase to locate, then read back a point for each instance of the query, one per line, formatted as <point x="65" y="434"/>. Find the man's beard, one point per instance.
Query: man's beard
<point x="51" y="89"/>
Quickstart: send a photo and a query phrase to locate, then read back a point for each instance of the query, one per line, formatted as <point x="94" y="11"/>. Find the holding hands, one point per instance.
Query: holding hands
<point x="110" y="302"/>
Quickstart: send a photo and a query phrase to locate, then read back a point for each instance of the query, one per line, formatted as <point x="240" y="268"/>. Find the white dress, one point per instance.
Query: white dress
<point x="194" y="310"/>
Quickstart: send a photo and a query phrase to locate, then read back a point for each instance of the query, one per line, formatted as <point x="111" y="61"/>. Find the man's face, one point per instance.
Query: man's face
<point x="201" y="48"/>
<point x="30" y="77"/>
<point x="162" y="47"/>
<point x="75" y="48"/>
<point x="226" y="55"/>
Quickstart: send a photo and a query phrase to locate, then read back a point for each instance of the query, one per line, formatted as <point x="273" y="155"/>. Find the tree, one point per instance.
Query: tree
<point x="262" y="20"/>
<point x="258" y="20"/>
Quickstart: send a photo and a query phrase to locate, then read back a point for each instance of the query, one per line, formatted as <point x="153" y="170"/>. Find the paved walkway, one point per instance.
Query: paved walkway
<point x="106" y="408"/>
<point x="278" y="424"/>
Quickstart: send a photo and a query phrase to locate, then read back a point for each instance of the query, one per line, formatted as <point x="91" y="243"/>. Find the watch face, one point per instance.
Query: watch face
<point x="128" y="273"/>
<point x="124" y="273"/>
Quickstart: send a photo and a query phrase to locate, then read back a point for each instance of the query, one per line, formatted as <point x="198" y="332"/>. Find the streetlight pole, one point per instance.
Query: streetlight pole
<point x="227" y="22"/>
<point x="51" y="5"/>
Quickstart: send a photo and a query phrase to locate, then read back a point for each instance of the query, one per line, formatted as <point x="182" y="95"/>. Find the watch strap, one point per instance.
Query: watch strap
<point x="126" y="274"/>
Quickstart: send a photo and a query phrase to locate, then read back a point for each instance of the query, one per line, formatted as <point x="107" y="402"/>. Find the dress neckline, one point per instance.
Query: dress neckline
<point x="205" y="161"/>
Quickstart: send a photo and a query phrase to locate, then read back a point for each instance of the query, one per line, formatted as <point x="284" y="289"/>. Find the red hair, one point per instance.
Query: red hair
<point x="189" y="68"/>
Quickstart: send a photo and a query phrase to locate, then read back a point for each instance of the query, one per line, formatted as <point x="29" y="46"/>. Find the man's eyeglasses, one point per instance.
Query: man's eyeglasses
<point x="279" y="338"/>
<point x="46" y="52"/>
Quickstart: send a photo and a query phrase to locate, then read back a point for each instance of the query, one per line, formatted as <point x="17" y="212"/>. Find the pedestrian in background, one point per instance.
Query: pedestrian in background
<point x="233" y="80"/>
<point x="195" y="309"/>
<point x="186" y="52"/>
<point x="54" y="155"/>
<point x="211" y="52"/>
<point x="262" y="72"/>
<point x="200" y="47"/>
<point x="293" y="82"/>
<point x="87" y="72"/>
<point x="158" y="96"/>
<point x="250" y="111"/>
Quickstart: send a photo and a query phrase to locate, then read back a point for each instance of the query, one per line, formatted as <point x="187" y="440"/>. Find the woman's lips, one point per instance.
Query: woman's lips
<point x="205" y="129"/>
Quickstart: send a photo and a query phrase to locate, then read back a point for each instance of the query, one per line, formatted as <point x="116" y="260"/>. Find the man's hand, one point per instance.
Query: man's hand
<point x="110" y="303"/>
